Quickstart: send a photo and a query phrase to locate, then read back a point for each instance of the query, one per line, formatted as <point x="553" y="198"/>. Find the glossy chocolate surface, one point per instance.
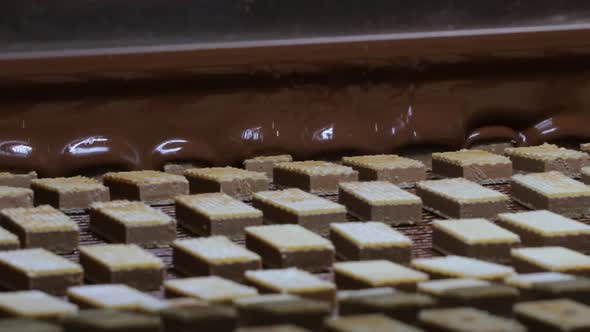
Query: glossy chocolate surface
<point x="384" y="99"/>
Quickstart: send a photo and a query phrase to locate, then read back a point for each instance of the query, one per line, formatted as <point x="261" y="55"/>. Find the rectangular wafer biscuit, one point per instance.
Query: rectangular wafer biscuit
<point x="216" y="214"/>
<point x="313" y="176"/>
<point x="380" y="201"/>
<point x="552" y="191"/>
<point x="401" y="171"/>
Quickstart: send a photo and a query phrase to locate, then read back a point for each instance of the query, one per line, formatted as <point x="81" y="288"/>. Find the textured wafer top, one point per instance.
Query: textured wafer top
<point x="476" y="230"/>
<point x="528" y="279"/>
<point x="7" y="238"/>
<point x="438" y="287"/>
<point x="585" y="170"/>
<point x="552" y="184"/>
<point x="73" y="184"/>
<point x="379" y="272"/>
<point x="585" y="147"/>
<point x="277" y="158"/>
<point x="264" y="298"/>
<point x="115" y="296"/>
<point x="382" y="162"/>
<point x="369" y="322"/>
<point x="10" y="174"/>
<point x="371" y="234"/>
<point x="365" y="292"/>
<point x="566" y="314"/>
<point x="545" y="152"/>
<point x="43" y="218"/>
<point x="315" y="168"/>
<point x="218" y="206"/>
<point x="553" y="258"/>
<point x="38" y="262"/>
<point x="469" y="319"/>
<point x="545" y="223"/>
<point x="299" y="202"/>
<point x="289" y="237"/>
<point x="220" y="174"/>
<point x="216" y="249"/>
<point x="34" y="304"/>
<point x="6" y="191"/>
<point x="461" y="190"/>
<point x="144" y="177"/>
<point x="122" y="256"/>
<point x="211" y="288"/>
<point x="463" y="267"/>
<point x="288" y="280"/>
<point x="132" y="213"/>
<point x="379" y="193"/>
<point x="471" y="157"/>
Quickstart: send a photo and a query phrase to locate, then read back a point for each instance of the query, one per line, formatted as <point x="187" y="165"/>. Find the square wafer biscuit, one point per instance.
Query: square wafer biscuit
<point x="233" y="181"/>
<point x="474" y="165"/>
<point x="476" y="237"/>
<point x="290" y="246"/>
<point x="215" y="255"/>
<point x="376" y="273"/>
<point x="380" y="201"/>
<point x="545" y="228"/>
<point x="528" y="280"/>
<point x="313" y="176"/>
<point x="132" y="222"/>
<point x="461" y="267"/>
<point x="103" y="320"/>
<point x="114" y="296"/>
<point x="216" y="214"/>
<point x="548" y="157"/>
<point x="72" y="193"/>
<point x="555" y="259"/>
<point x="8" y="240"/>
<point x="367" y="322"/>
<point x="38" y="269"/>
<point x="292" y="281"/>
<point x="42" y="227"/>
<point x="122" y="263"/>
<point x="401" y="171"/>
<point x="34" y="304"/>
<point x="211" y="289"/>
<point x="440" y="286"/>
<point x="480" y="294"/>
<point x="265" y="164"/>
<point x="294" y="206"/>
<point x="461" y="198"/>
<point x="552" y="191"/>
<point x="554" y="315"/>
<point x="465" y="319"/>
<point x="13" y="197"/>
<point x="282" y="309"/>
<point x="370" y="240"/>
<point x="147" y="186"/>
<point x="17" y="180"/>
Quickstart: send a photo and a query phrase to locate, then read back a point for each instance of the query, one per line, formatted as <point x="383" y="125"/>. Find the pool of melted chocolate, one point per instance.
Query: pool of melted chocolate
<point x="373" y="104"/>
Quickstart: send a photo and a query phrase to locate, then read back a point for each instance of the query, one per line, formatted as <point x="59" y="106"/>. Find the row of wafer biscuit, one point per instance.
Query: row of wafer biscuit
<point x="220" y="214"/>
<point x="314" y="176"/>
<point x="537" y="301"/>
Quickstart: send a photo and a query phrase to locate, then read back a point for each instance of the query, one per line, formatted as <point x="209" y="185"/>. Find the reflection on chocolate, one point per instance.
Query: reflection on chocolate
<point x="82" y="128"/>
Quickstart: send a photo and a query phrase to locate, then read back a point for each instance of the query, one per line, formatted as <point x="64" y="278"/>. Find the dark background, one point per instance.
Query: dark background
<point x="42" y="24"/>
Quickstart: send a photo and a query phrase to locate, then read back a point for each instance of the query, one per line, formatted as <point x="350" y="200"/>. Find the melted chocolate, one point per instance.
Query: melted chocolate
<point x="372" y="108"/>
